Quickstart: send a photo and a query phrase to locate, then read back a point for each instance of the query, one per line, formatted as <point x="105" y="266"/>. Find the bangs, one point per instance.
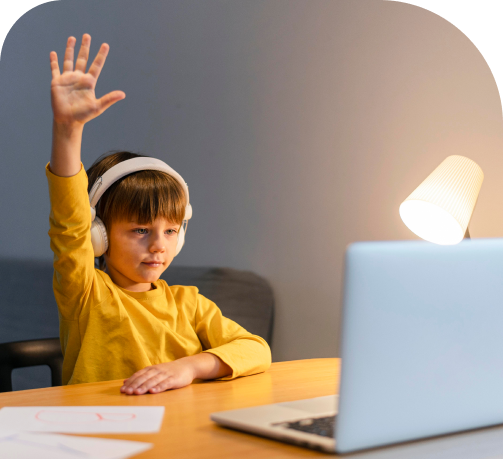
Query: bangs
<point x="143" y="197"/>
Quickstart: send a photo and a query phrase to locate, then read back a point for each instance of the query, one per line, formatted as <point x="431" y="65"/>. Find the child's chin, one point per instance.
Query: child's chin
<point x="149" y="276"/>
<point x="145" y="279"/>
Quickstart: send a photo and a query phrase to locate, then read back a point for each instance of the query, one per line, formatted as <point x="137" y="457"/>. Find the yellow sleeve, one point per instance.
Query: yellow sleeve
<point x="70" y="224"/>
<point x="245" y="353"/>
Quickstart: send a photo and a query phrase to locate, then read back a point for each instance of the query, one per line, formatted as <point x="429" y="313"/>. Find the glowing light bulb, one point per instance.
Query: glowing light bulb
<point x="439" y="210"/>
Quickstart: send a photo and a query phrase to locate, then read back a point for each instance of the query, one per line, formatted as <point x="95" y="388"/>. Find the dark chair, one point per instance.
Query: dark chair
<point x="27" y="354"/>
<point x="28" y="309"/>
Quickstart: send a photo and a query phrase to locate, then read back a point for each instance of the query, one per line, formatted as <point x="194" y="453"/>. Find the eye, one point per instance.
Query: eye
<point x="171" y="232"/>
<point x="140" y="230"/>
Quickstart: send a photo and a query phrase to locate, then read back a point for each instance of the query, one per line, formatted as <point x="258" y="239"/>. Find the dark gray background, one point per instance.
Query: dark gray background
<point x="299" y="126"/>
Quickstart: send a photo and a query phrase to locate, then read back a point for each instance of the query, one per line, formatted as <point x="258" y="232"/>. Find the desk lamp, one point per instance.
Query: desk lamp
<point x="439" y="210"/>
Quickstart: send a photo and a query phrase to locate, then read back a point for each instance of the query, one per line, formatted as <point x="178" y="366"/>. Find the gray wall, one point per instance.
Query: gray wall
<point x="300" y="126"/>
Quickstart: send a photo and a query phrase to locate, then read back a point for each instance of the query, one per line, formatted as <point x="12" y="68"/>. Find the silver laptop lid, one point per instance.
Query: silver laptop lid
<point x="422" y="341"/>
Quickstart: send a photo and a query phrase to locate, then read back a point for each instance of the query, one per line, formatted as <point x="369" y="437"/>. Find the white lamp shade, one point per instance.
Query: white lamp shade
<point x="439" y="210"/>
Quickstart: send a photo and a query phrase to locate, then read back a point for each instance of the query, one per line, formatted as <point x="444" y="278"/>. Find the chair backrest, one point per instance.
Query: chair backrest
<point x="28" y="310"/>
<point x="27" y="306"/>
<point x="27" y="354"/>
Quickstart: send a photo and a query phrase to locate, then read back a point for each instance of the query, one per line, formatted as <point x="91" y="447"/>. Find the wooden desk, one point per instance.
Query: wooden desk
<point x="188" y="433"/>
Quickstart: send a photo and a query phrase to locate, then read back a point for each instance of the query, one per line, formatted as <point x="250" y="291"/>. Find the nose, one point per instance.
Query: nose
<point x="157" y="243"/>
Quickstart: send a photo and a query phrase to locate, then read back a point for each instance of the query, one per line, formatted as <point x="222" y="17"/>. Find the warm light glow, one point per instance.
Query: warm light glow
<point x="430" y="222"/>
<point x="439" y="210"/>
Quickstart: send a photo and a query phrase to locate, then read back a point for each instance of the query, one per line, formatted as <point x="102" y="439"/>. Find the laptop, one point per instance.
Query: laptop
<point x="421" y="349"/>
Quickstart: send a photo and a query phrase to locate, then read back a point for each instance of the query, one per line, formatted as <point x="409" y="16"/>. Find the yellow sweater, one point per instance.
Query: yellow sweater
<point x="108" y="332"/>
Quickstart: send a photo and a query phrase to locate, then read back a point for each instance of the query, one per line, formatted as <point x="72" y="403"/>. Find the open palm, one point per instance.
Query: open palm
<point x="72" y="92"/>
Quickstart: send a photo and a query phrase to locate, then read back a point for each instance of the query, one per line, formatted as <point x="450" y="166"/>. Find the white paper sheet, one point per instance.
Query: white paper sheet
<point x="82" y="419"/>
<point x="25" y="445"/>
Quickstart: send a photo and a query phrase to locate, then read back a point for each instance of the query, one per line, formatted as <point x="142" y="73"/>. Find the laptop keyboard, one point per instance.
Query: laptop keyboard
<point x="318" y="426"/>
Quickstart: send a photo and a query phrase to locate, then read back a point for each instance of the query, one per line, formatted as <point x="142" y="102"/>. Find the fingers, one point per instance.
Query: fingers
<point x="132" y="383"/>
<point x="109" y="99"/>
<point x="147" y="382"/>
<point x="53" y="58"/>
<point x="99" y="61"/>
<point x="81" y="62"/>
<point x="136" y="375"/>
<point x="68" y="61"/>
<point x="161" y="387"/>
<point x="150" y="383"/>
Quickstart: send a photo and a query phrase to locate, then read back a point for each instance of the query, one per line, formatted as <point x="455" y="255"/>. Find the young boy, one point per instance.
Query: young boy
<point x="124" y="322"/>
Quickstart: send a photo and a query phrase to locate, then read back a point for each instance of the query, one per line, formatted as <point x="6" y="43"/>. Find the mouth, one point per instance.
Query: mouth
<point x="152" y="264"/>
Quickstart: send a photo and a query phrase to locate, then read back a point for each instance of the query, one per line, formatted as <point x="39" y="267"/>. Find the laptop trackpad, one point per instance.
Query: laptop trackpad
<point x="318" y="405"/>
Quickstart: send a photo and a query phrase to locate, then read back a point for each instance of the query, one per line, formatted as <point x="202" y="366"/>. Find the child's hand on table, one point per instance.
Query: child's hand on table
<point x="158" y="378"/>
<point x="176" y="374"/>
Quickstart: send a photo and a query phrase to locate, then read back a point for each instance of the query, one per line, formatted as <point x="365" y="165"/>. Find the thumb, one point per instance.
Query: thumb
<point x="109" y="99"/>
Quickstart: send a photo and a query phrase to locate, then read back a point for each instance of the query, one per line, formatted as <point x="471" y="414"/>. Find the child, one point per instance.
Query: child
<point x="124" y="322"/>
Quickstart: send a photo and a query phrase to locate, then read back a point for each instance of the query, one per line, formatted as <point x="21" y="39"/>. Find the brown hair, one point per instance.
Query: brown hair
<point x="141" y="196"/>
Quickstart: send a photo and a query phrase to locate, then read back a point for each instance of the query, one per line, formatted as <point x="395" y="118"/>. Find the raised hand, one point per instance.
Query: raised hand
<point x="72" y="92"/>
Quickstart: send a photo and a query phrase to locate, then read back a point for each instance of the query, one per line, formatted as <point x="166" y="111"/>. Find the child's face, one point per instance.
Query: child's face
<point x="139" y="254"/>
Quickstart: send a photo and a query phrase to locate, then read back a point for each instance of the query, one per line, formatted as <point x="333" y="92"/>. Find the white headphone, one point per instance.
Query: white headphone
<point x="99" y="236"/>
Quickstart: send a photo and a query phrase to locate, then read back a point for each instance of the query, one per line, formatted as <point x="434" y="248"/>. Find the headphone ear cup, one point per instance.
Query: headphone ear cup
<point x="181" y="239"/>
<point x="99" y="237"/>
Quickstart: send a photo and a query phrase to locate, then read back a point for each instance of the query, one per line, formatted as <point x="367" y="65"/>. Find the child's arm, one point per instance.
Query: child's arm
<point x="74" y="103"/>
<point x="231" y="351"/>
<point x="244" y="353"/>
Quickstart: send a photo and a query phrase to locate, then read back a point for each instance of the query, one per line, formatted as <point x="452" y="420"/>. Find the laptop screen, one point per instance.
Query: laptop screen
<point x="422" y="341"/>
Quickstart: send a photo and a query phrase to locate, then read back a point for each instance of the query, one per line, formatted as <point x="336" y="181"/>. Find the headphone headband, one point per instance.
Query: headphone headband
<point x="128" y="167"/>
